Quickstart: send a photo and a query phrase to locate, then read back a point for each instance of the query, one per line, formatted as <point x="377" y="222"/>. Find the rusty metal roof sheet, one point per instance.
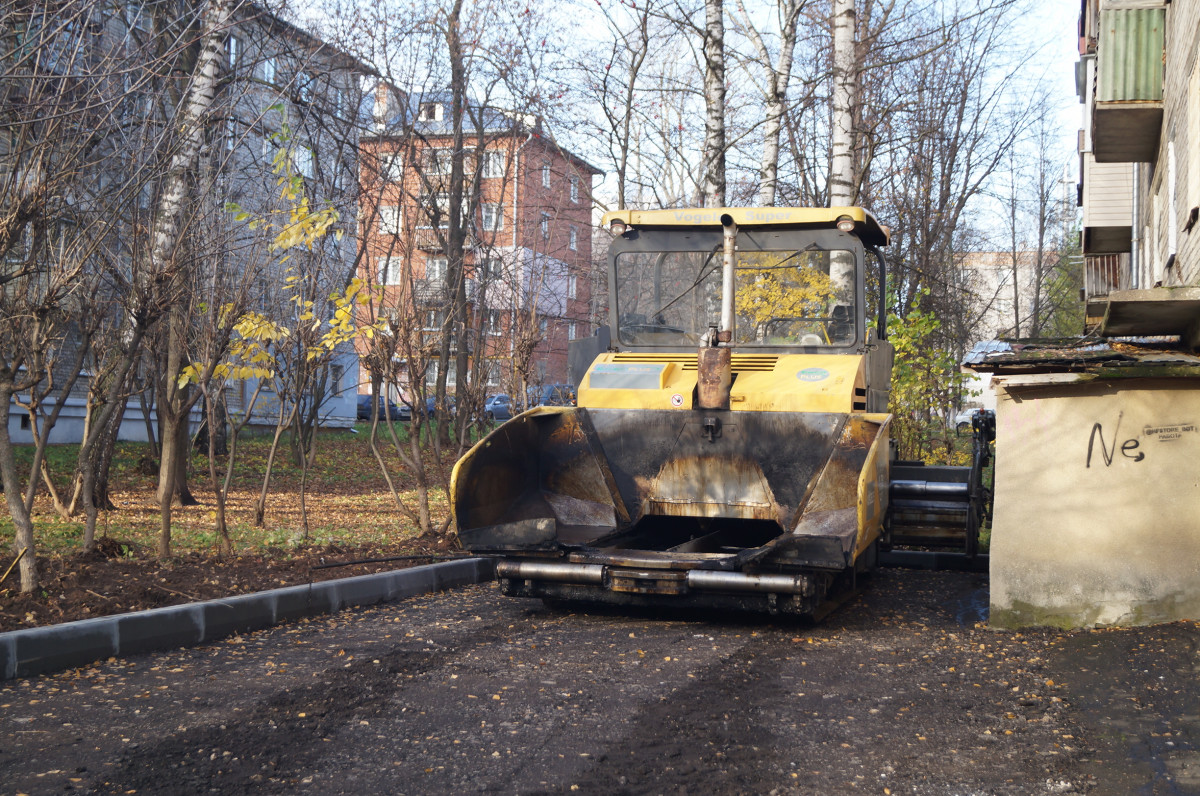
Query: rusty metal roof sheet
<point x="1135" y="355"/>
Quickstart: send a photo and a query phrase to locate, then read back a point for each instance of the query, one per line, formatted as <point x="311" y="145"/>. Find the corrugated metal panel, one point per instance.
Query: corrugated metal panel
<point x="1130" y="55"/>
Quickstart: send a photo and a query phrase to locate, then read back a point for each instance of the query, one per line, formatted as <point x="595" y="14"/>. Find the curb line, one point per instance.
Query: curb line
<point x="41" y="650"/>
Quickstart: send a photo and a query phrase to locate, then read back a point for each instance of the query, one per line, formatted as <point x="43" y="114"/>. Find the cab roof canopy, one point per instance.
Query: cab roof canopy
<point x="866" y="227"/>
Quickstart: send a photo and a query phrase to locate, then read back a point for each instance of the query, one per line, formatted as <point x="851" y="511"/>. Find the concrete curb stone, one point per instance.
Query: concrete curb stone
<point x="41" y="650"/>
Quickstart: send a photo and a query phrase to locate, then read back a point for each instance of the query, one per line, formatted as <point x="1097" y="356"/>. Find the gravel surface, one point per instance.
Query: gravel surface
<point x="902" y="690"/>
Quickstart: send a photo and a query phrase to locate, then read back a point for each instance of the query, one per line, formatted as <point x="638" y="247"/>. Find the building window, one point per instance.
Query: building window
<point x="437" y="161"/>
<point x="391" y="220"/>
<point x="430" y="112"/>
<point x="545" y="175"/>
<point x="572" y="287"/>
<point x="543" y="324"/>
<point x="574" y="190"/>
<point x="493" y="372"/>
<point x="545" y="226"/>
<point x="493" y="163"/>
<point x="336" y="373"/>
<point x="435" y="205"/>
<point x="266" y="70"/>
<point x="302" y="160"/>
<point x="391" y="166"/>
<point x="494" y="321"/>
<point x="432" y="320"/>
<point x="233" y="51"/>
<point x="304" y="87"/>
<point x="138" y="17"/>
<point x="490" y="268"/>
<point x="391" y="270"/>
<point x="574" y="243"/>
<point x="571" y="330"/>
<point x="493" y="217"/>
<point x="435" y="268"/>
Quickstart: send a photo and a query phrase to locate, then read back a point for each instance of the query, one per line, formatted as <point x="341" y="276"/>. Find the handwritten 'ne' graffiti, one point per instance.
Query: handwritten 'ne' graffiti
<point x="1129" y="448"/>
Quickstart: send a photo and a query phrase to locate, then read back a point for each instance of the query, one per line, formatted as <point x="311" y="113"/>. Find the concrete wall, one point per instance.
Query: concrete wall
<point x="1097" y="512"/>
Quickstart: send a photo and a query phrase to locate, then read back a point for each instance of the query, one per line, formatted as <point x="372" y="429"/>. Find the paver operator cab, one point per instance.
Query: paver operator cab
<point x="729" y="448"/>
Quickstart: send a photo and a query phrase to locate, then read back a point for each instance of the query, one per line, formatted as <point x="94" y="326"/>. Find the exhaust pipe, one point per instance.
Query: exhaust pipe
<point x="551" y="570"/>
<point x="710" y="580"/>
<point x="697" y="579"/>
<point x="714" y="372"/>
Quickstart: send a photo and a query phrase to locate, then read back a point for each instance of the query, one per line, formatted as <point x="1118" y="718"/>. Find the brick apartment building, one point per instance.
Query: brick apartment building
<point x="527" y="217"/>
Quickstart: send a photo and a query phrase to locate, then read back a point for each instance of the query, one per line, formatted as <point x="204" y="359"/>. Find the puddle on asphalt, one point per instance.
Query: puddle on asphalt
<point x="971" y="607"/>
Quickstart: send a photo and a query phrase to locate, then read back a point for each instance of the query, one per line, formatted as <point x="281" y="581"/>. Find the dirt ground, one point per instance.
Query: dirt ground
<point x="110" y="581"/>
<point x="903" y="690"/>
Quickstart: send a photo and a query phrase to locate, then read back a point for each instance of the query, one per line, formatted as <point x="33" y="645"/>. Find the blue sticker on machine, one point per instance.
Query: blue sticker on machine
<point x="813" y="374"/>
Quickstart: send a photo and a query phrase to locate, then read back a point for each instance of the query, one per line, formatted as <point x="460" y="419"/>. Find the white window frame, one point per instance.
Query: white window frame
<point x="391" y="166"/>
<point x="438" y="161"/>
<point x="1172" y="209"/>
<point x="494" y="321"/>
<point x="266" y="70"/>
<point x="1193" y="175"/>
<point x="443" y="203"/>
<point x="495" y="369"/>
<point x="336" y="374"/>
<point x="431" y="321"/>
<point x="545" y="175"/>
<point x="233" y="51"/>
<point x="491" y="217"/>
<point x="489" y="268"/>
<point x="574" y="190"/>
<point x="494" y="162"/>
<point x="572" y="286"/>
<point x="571" y="330"/>
<point x="390" y="270"/>
<point x="573" y="242"/>
<point x="435" y="268"/>
<point x="304" y="161"/>
<point x="544" y="224"/>
<point x="305" y="83"/>
<point x="391" y="220"/>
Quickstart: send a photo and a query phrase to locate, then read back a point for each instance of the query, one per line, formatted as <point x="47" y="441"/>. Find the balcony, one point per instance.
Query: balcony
<point x="1128" y="111"/>
<point x="1107" y="206"/>
<point x="433" y="292"/>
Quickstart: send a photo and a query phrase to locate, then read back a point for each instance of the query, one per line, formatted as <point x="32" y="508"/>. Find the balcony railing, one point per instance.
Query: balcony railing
<point x="433" y="292"/>
<point x="1128" y="111"/>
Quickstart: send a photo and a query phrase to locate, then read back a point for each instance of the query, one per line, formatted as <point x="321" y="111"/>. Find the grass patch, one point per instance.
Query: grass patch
<point x="347" y="498"/>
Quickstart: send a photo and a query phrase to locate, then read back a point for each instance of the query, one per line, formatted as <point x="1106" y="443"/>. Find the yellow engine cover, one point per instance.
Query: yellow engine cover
<point x="762" y="382"/>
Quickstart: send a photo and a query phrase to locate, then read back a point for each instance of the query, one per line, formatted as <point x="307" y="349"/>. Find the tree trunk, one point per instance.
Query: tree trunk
<point x="714" y="104"/>
<point x="22" y="522"/>
<point x="260" y="506"/>
<point x="845" y="84"/>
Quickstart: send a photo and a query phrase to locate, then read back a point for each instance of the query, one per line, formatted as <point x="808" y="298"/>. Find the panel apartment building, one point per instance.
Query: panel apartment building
<point x="527" y="219"/>
<point x="117" y="72"/>
<point x="1139" y="81"/>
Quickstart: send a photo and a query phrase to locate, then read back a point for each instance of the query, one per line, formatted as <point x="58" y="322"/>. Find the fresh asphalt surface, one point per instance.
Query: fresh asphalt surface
<point x="902" y="690"/>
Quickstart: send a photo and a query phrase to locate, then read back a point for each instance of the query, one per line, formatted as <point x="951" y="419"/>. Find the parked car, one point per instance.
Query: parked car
<point x="965" y="419"/>
<point x="364" y="408"/>
<point x="498" y="407"/>
<point x="552" y="395"/>
<point x="431" y="406"/>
